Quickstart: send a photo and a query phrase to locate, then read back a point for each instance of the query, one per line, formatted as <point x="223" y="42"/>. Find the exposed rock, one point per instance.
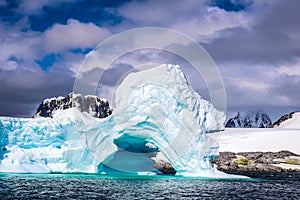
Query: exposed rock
<point x="252" y="155"/>
<point x="258" y="161"/>
<point x="228" y="166"/>
<point x="164" y="167"/>
<point x="97" y="107"/>
<point x="228" y="162"/>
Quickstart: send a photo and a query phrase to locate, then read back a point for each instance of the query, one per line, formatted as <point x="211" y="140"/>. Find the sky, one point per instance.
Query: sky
<point x="254" y="43"/>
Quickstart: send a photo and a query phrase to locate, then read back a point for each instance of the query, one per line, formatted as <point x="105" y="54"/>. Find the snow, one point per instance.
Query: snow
<point x="256" y="139"/>
<point x="53" y="99"/>
<point x="293" y="122"/>
<point x="284" y="137"/>
<point x="287" y="166"/>
<point x="156" y="106"/>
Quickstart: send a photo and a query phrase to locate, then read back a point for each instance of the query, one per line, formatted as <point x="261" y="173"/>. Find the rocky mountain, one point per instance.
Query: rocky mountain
<point x="95" y="106"/>
<point x="257" y="119"/>
<point x="291" y="120"/>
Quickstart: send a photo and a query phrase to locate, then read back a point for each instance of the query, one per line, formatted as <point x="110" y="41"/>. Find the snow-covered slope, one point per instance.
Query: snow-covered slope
<point x="291" y="120"/>
<point x="255" y="139"/>
<point x="257" y="119"/>
<point x="286" y="136"/>
<point x="95" y="106"/>
<point x="155" y="109"/>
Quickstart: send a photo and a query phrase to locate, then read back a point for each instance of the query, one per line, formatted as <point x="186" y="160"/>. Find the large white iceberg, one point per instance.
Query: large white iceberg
<point x="156" y="109"/>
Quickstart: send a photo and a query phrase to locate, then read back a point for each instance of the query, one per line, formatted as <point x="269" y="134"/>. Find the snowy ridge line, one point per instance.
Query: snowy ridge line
<point x="291" y="120"/>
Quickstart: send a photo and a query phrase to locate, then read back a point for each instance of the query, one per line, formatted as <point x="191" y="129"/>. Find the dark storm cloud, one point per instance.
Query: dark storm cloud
<point x="253" y="42"/>
<point x="274" y="39"/>
<point x="287" y="89"/>
<point x="115" y="74"/>
<point x="23" y="90"/>
<point x="23" y="82"/>
<point x="98" y="81"/>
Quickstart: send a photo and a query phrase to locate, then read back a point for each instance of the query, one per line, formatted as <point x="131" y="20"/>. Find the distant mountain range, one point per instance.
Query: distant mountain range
<point x="257" y="119"/>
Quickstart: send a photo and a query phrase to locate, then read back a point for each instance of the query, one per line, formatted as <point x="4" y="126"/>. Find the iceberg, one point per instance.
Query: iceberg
<point x="155" y="110"/>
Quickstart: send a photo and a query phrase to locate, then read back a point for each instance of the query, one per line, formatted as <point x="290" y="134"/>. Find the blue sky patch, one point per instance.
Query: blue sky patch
<point x="47" y="61"/>
<point x="231" y="6"/>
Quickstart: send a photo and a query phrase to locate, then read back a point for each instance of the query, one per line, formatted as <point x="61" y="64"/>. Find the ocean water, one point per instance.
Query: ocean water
<point x="81" y="186"/>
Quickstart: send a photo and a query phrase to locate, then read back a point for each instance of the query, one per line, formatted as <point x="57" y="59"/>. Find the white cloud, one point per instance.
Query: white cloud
<point x="157" y="11"/>
<point x="290" y="70"/>
<point x="17" y="46"/>
<point x="249" y="84"/>
<point x="9" y="65"/>
<point x="212" y="22"/>
<point x="73" y="35"/>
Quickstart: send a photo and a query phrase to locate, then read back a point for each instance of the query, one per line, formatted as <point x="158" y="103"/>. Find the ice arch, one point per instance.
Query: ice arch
<point x="159" y="106"/>
<point x="155" y="106"/>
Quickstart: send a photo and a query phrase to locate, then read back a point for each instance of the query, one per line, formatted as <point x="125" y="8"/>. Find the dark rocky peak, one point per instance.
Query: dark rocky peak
<point x="95" y="106"/>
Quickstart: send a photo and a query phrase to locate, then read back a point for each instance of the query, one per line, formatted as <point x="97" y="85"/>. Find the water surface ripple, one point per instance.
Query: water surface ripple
<point x="76" y="186"/>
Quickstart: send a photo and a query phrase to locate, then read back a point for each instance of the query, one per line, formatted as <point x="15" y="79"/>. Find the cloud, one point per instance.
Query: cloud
<point x="158" y="12"/>
<point x="272" y="40"/>
<point x="254" y="87"/>
<point x="286" y="91"/>
<point x="194" y="18"/>
<point x="23" y="90"/>
<point x="18" y="47"/>
<point x="73" y="35"/>
<point x="23" y="83"/>
<point x="210" y="26"/>
<point x="290" y="70"/>
<point x="253" y="42"/>
<point x="9" y="65"/>
<point x="262" y="32"/>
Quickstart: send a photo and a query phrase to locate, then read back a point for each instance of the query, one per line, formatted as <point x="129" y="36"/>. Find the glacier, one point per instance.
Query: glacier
<point x="155" y="110"/>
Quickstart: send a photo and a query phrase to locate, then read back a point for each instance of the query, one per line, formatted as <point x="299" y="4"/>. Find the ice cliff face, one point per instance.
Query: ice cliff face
<point x="156" y="109"/>
<point x="97" y="107"/>
<point x="258" y="119"/>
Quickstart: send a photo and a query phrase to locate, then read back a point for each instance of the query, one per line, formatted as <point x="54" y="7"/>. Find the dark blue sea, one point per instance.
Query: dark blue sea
<point x="82" y="186"/>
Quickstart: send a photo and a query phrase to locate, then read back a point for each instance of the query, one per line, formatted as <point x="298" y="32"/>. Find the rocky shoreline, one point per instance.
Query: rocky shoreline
<point x="282" y="161"/>
<point x="230" y="162"/>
